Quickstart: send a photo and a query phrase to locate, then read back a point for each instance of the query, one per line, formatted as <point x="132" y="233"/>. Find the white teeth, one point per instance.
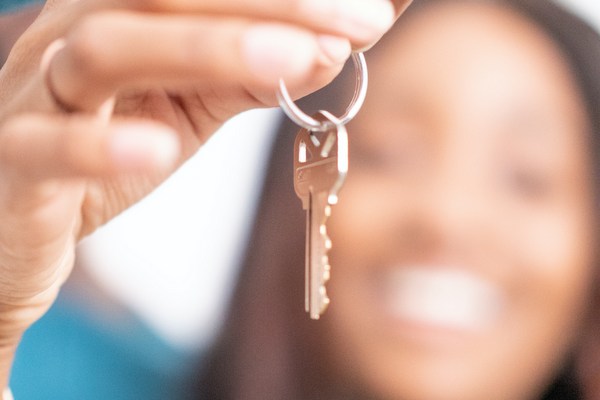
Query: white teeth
<point x="442" y="297"/>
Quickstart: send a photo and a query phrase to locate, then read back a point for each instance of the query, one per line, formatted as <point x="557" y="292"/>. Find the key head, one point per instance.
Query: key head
<point x="321" y="160"/>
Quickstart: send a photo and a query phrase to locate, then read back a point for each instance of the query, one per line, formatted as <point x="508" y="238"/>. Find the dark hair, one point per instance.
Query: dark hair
<point x="268" y="347"/>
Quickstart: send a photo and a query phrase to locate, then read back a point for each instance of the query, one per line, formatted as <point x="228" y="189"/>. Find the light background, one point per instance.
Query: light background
<point x="172" y="257"/>
<point x="588" y="9"/>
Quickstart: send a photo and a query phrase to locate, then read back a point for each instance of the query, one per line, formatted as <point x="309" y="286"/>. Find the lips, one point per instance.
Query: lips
<point x="443" y="298"/>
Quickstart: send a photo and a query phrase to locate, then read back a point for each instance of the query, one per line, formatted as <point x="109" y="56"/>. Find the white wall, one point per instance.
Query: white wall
<point x="588" y="9"/>
<point x="171" y="257"/>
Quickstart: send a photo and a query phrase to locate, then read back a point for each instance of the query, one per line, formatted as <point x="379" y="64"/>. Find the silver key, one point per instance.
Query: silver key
<point x="320" y="167"/>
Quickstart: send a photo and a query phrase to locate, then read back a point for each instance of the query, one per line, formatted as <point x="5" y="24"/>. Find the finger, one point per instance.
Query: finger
<point x="37" y="147"/>
<point x="111" y="51"/>
<point x="360" y="21"/>
<point x="399" y="7"/>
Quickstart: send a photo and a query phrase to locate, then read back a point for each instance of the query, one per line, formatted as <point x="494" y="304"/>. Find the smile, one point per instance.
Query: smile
<point x="441" y="298"/>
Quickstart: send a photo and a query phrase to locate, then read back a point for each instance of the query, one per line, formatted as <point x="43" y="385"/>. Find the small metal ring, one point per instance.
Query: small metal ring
<point x="308" y="122"/>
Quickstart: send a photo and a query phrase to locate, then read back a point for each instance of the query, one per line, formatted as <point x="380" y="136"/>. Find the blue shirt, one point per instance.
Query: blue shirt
<point x="7" y="5"/>
<point x="72" y="354"/>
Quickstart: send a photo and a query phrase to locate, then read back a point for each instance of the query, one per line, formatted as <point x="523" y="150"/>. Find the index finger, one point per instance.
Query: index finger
<point x="363" y="22"/>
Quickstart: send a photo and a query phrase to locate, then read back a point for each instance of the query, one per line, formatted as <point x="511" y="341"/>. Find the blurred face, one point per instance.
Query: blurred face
<point x="462" y="253"/>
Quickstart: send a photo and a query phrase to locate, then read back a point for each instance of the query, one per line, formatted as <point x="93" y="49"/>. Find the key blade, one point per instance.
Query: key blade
<point x="307" y="257"/>
<point x="319" y="259"/>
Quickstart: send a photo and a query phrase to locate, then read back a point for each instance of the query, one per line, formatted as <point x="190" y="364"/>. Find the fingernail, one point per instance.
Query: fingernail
<point x="273" y="51"/>
<point x="363" y="20"/>
<point x="334" y="50"/>
<point x="143" y="146"/>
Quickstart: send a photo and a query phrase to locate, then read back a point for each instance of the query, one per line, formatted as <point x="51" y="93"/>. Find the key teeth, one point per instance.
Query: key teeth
<point x="324" y="298"/>
<point x="326" y="239"/>
<point x="325" y="266"/>
<point x="324" y="304"/>
<point x="326" y="273"/>
<point x="323" y="229"/>
<point x="323" y="293"/>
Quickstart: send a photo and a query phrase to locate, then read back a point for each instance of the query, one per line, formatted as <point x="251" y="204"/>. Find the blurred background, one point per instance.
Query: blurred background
<point x="172" y="258"/>
<point x="179" y="283"/>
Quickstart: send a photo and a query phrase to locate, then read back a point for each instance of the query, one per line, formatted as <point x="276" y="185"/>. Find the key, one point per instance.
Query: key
<point x="320" y="167"/>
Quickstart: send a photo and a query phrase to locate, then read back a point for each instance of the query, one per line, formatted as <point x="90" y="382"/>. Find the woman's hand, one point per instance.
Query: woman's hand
<point x="178" y="69"/>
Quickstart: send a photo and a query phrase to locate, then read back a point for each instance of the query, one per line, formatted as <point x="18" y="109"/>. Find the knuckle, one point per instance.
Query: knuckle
<point x="10" y="135"/>
<point x="74" y="148"/>
<point x="191" y="50"/>
<point x="67" y="148"/>
<point x="89" y="47"/>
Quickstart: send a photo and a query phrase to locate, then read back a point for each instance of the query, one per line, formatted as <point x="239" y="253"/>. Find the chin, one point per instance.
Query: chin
<point x="438" y="334"/>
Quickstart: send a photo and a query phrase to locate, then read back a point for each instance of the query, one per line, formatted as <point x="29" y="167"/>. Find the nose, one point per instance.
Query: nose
<point x="449" y="213"/>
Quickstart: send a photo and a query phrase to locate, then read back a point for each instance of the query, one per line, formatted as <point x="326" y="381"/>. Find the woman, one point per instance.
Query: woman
<point x="464" y="241"/>
<point x="463" y="258"/>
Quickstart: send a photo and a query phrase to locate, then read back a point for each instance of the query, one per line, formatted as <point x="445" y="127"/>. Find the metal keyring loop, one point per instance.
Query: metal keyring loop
<point x="305" y="121"/>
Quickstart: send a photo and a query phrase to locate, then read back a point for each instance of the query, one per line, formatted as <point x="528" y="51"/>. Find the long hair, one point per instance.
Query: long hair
<point x="268" y="347"/>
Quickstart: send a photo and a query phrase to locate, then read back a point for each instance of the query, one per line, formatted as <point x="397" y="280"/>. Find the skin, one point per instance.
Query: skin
<point x="12" y="26"/>
<point x="470" y="154"/>
<point x="207" y="61"/>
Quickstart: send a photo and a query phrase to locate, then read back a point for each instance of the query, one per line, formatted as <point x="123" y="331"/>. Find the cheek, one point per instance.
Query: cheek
<point x="551" y="278"/>
<point x="359" y="224"/>
<point x="560" y="245"/>
<point x="549" y="252"/>
<point x="555" y="252"/>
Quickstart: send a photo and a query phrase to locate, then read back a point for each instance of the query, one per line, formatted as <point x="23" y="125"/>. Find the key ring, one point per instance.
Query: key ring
<point x="305" y="121"/>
